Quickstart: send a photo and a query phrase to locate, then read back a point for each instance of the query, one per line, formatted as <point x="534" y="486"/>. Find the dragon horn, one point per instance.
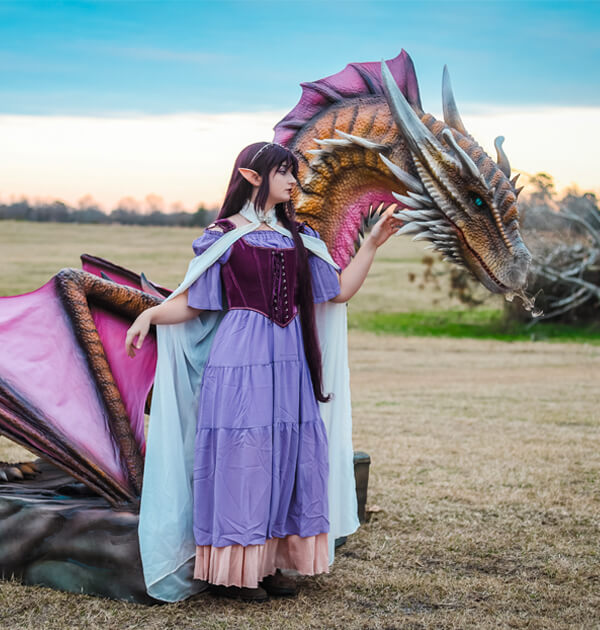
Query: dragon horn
<point x="466" y="162"/>
<point x="419" y="139"/>
<point x="451" y="115"/>
<point x="502" y="160"/>
<point x="412" y="183"/>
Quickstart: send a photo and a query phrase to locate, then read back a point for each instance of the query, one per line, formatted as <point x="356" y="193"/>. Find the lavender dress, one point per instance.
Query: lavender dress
<point x="260" y="469"/>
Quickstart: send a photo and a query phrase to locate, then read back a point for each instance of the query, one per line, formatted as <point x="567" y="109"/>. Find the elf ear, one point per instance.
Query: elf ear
<point x="252" y="176"/>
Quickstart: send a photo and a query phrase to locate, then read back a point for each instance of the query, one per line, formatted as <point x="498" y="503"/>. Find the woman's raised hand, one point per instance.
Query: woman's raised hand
<point x="139" y="329"/>
<point x="387" y="225"/>
<point x="354" y="274"/>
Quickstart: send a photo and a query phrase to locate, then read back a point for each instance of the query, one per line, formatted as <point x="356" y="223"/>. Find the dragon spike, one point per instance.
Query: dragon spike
<point x="422" y="236"/>
<point x="411" y="215"/>
<point x="409" y="228"/>
<point x="412" y="183"/>
<point x="361" y="142"/>
<point x="328" y="143"/>
<point x="518" y="190"/>
<point x="502" y="160"/>
<point x="420" y="198"/>
<point x="465" y="160"/>
<point x="408" y="201"/>
<point x="451" y="115"/>
<point x="513" y="181"/>
<point x="419" y="139"/>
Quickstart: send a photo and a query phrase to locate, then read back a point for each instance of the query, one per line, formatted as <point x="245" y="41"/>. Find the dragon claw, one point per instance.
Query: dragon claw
<point x="18" y="472"/>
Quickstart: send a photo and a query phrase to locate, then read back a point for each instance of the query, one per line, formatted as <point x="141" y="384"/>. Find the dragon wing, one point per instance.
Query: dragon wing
<point x="67" y="390"/>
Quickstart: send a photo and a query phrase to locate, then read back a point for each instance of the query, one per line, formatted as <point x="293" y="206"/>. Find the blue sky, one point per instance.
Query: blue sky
<point x="121" y="99"/>
<point x="111" y="58"/>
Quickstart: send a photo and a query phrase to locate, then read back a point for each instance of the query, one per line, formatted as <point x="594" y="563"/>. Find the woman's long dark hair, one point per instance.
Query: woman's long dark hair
<point x="238" y="192"/>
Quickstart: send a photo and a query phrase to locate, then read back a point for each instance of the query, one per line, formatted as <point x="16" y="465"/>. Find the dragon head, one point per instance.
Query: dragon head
<point x="462" y="201"/>
<point x="376" y="147"/>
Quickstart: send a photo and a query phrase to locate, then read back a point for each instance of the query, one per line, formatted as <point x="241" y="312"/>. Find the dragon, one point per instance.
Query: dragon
<point x="363" y="142"/>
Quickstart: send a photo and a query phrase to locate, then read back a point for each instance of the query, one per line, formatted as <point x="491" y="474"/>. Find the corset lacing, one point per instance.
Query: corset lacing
<point x="280" y="293"/>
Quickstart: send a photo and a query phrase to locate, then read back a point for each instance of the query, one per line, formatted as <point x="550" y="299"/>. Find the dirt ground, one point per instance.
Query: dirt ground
<point x="484" y="493"/>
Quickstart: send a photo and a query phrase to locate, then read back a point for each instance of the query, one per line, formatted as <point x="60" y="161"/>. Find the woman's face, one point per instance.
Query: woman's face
<point x="281" y="182"/>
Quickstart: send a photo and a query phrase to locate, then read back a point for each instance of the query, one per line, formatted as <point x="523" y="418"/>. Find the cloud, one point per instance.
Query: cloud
<point x="183" y="158"/>
<point x="561" y="141"/>
<point x="188" y="157"/>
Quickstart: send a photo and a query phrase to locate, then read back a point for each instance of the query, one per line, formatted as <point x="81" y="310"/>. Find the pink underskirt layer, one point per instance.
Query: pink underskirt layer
<point x="236" y="565"/>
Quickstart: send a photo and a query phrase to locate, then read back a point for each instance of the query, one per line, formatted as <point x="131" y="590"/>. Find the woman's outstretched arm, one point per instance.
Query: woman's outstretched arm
<point x="173" y="311"/>
<point x="354" y="274"/>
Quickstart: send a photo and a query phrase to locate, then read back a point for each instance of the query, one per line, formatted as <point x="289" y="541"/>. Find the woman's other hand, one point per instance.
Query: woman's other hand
<point x="137" y="333"/>
<point x="172" y="311"/>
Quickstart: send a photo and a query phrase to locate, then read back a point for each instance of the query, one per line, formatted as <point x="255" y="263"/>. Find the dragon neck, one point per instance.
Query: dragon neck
<point x="339" y="189"/>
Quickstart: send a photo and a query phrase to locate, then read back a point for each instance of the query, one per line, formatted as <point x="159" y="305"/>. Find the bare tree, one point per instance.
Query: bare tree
<point x="564" y="238"/>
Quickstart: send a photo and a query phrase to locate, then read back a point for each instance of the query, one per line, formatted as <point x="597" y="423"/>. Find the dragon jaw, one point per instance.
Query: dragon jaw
<point x="462" y="201"/>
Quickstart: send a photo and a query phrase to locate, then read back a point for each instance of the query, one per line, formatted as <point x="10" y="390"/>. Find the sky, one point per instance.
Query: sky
<point x="129" y="99"/>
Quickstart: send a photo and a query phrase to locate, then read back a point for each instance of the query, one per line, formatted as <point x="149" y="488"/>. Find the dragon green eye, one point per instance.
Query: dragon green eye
<point x="477" y="200"/>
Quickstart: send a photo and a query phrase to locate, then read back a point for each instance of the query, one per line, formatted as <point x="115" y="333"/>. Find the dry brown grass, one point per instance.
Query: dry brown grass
<point x="485" y="471"/>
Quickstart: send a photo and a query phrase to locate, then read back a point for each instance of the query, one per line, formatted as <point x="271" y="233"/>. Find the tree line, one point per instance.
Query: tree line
<point x="126" y="214"/>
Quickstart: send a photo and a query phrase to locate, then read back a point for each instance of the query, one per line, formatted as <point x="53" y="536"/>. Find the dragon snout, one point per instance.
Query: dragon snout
<point x="516" y="273"/>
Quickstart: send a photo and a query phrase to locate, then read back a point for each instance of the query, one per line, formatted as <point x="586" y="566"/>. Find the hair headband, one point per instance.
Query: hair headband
<point x="267" y="146"/>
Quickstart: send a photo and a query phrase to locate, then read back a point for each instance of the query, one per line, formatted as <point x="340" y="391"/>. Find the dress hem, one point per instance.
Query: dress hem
<point x="241" y="566"/>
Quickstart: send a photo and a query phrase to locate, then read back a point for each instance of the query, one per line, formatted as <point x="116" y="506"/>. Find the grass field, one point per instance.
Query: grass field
<point x="484" y="489"/>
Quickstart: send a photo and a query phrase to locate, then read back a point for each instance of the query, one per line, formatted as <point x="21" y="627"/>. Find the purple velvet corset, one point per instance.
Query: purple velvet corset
<point x="262" y="279"/>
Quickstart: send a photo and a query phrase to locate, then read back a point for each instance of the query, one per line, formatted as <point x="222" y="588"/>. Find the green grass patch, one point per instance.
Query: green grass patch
<point x="476" y="324"/>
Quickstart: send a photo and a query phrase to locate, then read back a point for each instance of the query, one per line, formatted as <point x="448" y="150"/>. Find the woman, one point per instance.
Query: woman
<point x="260" y="461"/>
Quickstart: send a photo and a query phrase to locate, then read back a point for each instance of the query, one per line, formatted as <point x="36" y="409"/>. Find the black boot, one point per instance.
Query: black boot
<point x="279" y="584"/>
<point x="236" y="592"/>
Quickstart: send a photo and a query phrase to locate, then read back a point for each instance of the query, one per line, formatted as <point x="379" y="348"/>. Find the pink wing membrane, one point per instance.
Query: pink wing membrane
<point x="134" y="377"/>
<point x="40" y="358"/>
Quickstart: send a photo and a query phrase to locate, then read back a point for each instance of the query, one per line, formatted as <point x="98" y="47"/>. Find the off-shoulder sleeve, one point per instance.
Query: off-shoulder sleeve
<point x="205" y="292"/>
<point x="325" y="280"/>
